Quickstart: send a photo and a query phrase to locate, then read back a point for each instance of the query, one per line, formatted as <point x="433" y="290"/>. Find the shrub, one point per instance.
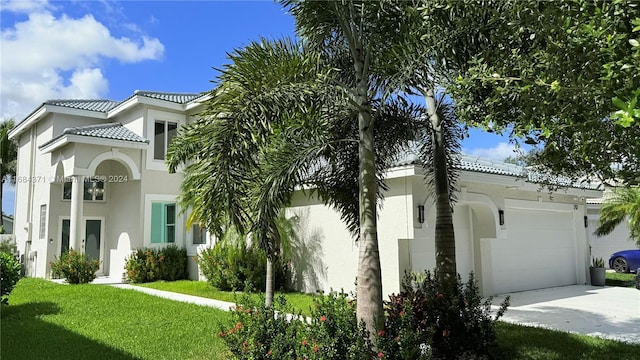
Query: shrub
<point x="75" y="267"/>
<point x="8" y="246"/>
<point x="257" y="332"/>
<point x="229" y="267"/>
<point x="443" y="321"/>
<point x="146" y="265"/>
<point x="9" y="275"/>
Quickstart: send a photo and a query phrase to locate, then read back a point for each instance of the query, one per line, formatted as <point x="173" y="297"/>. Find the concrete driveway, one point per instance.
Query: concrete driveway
<point x="608" y="312"/>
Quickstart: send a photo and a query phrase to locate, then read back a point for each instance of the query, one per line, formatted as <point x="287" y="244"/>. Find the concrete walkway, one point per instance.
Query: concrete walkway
<point x="218" y="304"/>
<point x="608" y="312"/>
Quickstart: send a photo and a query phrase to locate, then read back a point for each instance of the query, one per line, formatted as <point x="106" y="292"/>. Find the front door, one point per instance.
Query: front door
<point x="92" y="238"/>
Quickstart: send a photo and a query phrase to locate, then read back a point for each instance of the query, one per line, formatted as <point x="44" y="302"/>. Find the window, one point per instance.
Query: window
<point x="164" y="132"/>
<point x="93" y="190"/>
<point x="163" y="223"/>
<point x="199" y="234"/>
<point x="43" y="221"/>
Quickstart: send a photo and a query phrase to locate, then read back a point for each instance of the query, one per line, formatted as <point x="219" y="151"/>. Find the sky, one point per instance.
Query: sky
<point x="107" y="49"/>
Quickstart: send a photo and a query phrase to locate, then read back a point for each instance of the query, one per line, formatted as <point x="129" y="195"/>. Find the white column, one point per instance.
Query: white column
<point x="75" y="225"/>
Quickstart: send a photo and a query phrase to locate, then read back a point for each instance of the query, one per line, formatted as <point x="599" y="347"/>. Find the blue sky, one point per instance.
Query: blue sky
<point x="109" y="49"/>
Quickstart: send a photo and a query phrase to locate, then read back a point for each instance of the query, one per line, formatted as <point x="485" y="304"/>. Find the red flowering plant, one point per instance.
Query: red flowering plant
<point x="331" y="332"/>
<point x="258" y="332"/>
<point x="429" y="319"/>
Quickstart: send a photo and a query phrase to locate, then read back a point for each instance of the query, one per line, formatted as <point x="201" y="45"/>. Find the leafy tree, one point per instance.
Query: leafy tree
<point x="8" y="158"/>
<point x="556" y="73"/>
<point x="623" y="203"/>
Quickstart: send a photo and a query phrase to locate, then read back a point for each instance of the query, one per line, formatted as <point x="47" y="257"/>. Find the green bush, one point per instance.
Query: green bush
<point x="8" y="246"/>
<point x="75" y="268"/>
<point x="147" y="265"/>
<point x="257" y="332"/>
<point x="429" y="319"/>
<point x="9" y="275"/>
<point x="229" y="267"/>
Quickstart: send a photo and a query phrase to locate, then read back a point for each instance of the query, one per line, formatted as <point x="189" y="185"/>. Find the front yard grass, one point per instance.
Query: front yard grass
<point x="526" y="342"/>
<point x="51" y="321"/>
<point x="297" y="301"/>
<point x="619" y="279"/>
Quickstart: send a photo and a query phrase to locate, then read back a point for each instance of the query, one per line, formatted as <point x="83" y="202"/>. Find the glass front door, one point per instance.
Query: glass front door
<point x="92" y="239"/>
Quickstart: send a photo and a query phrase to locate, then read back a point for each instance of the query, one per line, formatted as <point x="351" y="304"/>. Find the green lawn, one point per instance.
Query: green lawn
<point x="51" y="321"/>
<point x="297" y="301"/>
<point x="617" y="279"/>
<point x="523" y="342"/>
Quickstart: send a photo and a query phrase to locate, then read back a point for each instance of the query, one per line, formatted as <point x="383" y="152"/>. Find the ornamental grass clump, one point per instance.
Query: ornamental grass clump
<point x="75" y="267"/>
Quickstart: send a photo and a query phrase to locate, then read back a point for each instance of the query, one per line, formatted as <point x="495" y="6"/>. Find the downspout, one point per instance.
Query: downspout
<point x="30" y="184"/>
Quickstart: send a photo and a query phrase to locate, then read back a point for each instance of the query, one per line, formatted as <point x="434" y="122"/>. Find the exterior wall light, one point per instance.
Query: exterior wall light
<point x="421" y="214"/>
<point x="501" y="217"/>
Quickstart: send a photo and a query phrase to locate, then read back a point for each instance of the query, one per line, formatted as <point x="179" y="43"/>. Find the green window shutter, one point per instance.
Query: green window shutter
<point x="157" y="223"/>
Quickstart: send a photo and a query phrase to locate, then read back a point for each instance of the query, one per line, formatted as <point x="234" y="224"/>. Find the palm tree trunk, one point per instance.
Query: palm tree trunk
<point x="2" y="180"/>
<point x="369" y="282"/>
<point x="268" y="293"/>
<point x="445" y="241"/>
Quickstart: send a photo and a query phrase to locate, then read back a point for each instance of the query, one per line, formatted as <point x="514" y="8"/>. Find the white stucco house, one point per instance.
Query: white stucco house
<point x="91" y="175"/>
<point x="509" y="232"/>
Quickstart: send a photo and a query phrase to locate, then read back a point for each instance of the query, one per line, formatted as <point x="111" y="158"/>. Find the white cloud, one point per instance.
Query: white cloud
<point x="498" y="153"/>
<point x="56" y="56"/>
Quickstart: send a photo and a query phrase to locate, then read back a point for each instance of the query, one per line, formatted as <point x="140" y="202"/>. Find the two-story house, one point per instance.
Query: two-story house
<point x="91" y="175"/>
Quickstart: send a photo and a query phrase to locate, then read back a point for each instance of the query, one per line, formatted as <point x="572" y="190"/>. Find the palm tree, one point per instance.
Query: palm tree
<point x="357" y="37"/>
<point x="267" y="90"/>
<point x="440" y="155"/>
<point x="622" y="204"/>
<point x="8" y="157"/>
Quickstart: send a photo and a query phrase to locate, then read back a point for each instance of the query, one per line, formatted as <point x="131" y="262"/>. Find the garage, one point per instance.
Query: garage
<point x="539" y="251"/>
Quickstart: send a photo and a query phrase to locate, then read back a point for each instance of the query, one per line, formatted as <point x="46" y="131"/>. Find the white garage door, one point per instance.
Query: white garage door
<point x="539" y="251"/>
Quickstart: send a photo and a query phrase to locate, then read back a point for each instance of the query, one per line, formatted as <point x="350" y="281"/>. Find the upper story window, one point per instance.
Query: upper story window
<point x="164" y="132"/>
<point x="93" y="190"/>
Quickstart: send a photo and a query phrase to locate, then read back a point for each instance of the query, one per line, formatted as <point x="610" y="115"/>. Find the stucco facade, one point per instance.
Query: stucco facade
<point x="89" y="173"/>
<point x="542" y="241"/>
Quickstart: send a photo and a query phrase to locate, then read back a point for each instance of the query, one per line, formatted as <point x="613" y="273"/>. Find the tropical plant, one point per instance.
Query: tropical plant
<point x="358" y="37"/>
<point x="266" y="94"/>
<point x="620" y="204"/>
<point x="168" y="263"/>
<point x="75" y="268"/>
<point x="9" y="275"/>
<point x="8" y="157"/>
<point x="597" y="262"/>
